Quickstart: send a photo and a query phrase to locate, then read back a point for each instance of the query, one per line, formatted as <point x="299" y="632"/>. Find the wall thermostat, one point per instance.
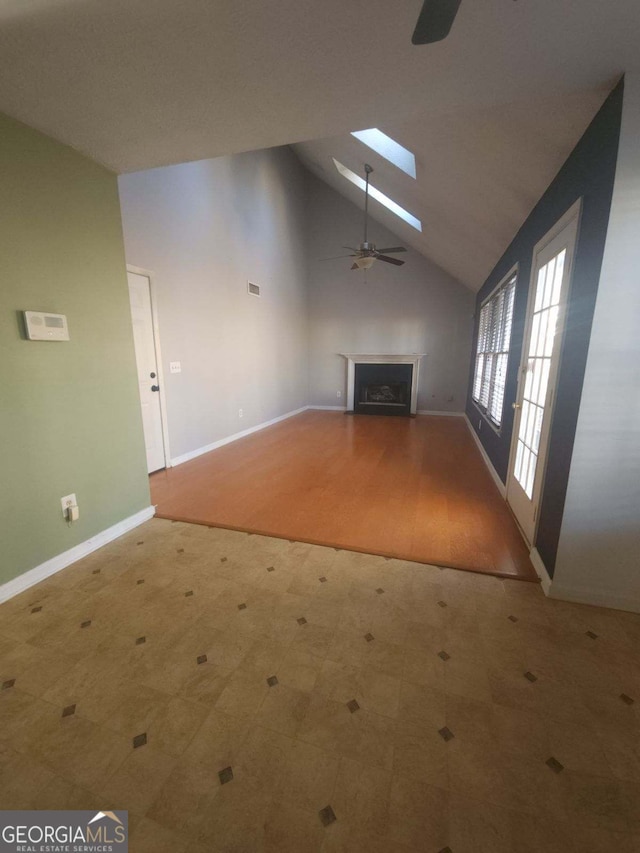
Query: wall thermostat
<point x="46" y="327"/>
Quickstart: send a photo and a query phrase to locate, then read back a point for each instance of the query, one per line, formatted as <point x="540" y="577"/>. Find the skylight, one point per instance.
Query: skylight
<point x="379" y="196"/>
<point x="388" y="148"/>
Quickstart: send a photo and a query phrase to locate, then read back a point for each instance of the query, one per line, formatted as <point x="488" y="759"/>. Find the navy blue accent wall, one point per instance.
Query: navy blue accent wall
<point x="588" y="173"/>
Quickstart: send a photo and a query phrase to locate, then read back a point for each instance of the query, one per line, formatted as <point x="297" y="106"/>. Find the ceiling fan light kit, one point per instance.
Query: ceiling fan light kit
<point x="364" y="263"/>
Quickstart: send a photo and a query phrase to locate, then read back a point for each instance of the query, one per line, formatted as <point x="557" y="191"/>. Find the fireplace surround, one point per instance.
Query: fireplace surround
<point x="383" y="383"/>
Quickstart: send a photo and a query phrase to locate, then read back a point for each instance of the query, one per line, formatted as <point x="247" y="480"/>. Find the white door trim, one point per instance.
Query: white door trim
<point x="571" y="216"/>
<point x="156" y="342"/>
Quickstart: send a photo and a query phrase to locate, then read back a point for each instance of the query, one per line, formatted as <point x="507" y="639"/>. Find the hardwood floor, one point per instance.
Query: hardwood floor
<point x="410" y="488"/>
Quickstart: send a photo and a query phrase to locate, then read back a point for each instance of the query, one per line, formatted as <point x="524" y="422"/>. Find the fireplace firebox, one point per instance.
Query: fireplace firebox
<point x="382" y="389"/>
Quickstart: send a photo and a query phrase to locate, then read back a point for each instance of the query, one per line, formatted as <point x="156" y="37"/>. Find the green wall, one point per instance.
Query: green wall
<point x="69" y="412"/>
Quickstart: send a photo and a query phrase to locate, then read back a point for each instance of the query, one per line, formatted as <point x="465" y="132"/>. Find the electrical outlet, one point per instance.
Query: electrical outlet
<point x="174" y="367"/>
<point x="240" y="413"/>
<point x="338" y="394"/>
<point x="66" y="502"/>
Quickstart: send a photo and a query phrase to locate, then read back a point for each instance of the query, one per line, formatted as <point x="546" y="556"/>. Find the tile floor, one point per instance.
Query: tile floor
<point x="240" y="693"/>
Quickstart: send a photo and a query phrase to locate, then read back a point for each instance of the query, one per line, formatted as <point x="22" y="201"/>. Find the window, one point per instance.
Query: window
<point x="388" y="148"/>
<point x="492" y="353"/>
<point x="379" y="196"/>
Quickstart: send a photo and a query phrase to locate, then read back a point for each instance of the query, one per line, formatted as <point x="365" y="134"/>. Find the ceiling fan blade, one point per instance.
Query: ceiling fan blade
<point x="392" y="250"/>
<point x="435" y="21"/>
<point x="355" y="267"/>
<point x="335" y="257"/>
<point x="389" y="260"/>
<point x="353" y="249"/>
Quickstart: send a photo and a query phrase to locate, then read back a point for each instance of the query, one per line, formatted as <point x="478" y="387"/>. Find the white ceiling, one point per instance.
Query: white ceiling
<point x="479" y="174"/>
<point x="143" y="83"/>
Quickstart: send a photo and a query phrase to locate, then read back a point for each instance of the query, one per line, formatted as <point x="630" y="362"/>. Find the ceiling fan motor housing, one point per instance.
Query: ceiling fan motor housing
<point x="367" y="247"/>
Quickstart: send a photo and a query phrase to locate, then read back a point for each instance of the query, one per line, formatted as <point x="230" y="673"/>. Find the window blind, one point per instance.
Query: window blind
<point x="492" y="351"/>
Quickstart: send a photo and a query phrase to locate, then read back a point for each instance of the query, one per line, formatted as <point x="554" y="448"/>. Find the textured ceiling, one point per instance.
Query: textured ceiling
<point x="142" y="83"/>
<point x="479" y="174"/>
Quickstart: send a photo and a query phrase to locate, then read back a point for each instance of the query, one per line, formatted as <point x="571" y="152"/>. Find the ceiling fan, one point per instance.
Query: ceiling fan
<point x="366" y="253"/>
<point x="435" y="21"/>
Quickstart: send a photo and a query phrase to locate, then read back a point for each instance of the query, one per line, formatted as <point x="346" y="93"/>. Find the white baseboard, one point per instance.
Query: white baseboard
<point x="55" y="564"/>
<point x="541" y="570"/>
<point x="496" y="479"/>
<point x="328" y="408"/>
<point x="419" y="412"/>
<point x="186" y="457"/>
<point x="595" y="597"/>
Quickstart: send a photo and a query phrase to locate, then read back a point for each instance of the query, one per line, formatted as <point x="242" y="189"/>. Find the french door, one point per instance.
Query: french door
<point x="537" y="380"/>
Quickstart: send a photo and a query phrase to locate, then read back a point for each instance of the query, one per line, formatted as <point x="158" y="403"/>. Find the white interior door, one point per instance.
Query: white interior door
<point x="544" y="331"/>
<point x="146" y="359"/>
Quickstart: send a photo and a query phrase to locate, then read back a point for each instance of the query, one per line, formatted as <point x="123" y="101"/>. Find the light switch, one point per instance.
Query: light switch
<point x="174" y="367"/>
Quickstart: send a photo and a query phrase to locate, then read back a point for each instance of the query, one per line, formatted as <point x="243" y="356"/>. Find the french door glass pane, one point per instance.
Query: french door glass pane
<point x="543" y="330"/>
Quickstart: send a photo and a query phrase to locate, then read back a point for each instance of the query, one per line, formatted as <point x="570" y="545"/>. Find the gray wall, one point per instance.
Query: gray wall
<point x="203" y="229"/>
<point x="599" y="551"/>
<point x="414" y="308"/>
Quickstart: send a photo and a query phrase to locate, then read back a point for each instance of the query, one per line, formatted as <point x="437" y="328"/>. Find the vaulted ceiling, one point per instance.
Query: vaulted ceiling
<point x="490" y="112"/>
<point x="478" y="175"/>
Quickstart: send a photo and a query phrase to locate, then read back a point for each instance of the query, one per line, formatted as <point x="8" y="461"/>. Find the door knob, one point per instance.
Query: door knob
<point x="155" y="387"/>
<point x="516" y="406"/>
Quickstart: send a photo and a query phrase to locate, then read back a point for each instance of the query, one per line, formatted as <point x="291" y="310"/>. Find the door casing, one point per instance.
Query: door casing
<point x="569" y="223"/>
<point x="156" y="341"/>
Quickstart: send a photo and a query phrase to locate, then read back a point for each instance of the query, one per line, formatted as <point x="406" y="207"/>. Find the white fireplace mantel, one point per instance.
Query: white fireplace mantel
<point x="354" y="358"/>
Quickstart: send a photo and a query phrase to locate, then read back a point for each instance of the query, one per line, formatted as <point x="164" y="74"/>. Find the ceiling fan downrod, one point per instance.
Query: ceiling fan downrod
<point x="368" y="169"/>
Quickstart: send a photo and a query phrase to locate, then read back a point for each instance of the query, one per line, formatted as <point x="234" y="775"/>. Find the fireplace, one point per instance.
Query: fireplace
<point x="379" y="384"/>
<point x="382" y="389"/>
